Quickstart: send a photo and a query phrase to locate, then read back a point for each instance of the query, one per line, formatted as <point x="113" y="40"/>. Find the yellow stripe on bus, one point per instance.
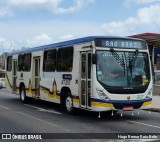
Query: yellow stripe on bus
<point x="76" y="100"/>
<point x="147" y="103"/>
<point x="54" y="95"/>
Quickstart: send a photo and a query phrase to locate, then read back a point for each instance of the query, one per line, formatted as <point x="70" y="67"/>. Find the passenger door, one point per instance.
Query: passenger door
<point x="86" y="71"/>
<point x="14" y="84"/>
<point x="36" y="75"/>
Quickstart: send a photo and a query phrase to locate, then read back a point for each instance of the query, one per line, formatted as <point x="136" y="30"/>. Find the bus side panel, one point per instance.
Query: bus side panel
<point x="52" y="83"/>
<point x="25" y="78"/>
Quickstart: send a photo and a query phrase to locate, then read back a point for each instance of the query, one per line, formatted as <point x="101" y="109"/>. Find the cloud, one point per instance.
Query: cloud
<point x="5" y="45"/>
<point x="38" y="40"/>
<point x="67" y="37"/>
<point x="28" y="2"/>
<point x="54" y="6"/>
<point x="79" y="4"/>
<point x="5" y="12"/>
<point x="2" y="40"/>
<point x="130" y="2"/>
<point x="146" y="18"/>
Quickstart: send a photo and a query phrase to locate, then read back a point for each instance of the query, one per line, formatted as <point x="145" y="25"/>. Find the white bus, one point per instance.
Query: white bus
<point x="97" y="73"/>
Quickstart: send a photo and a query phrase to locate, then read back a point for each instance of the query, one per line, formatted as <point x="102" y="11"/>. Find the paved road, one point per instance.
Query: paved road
<point x="42" y="117"/>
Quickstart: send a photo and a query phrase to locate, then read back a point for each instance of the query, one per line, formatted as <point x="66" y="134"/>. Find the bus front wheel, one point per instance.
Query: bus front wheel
<point x="69" y="103"/>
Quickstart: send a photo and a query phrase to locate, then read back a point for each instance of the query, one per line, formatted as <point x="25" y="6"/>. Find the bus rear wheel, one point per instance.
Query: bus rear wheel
<point x="23" y="96"/>
<point x="68" y="103"/>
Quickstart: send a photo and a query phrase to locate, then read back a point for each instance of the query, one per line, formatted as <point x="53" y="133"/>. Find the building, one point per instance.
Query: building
<point x="153" y="41"/>
<point x="2" y="60"/>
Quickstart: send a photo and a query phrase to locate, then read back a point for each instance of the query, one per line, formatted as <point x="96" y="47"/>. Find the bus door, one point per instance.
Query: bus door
<point x="37" y="76"/>
<point x="85" y="94"/>
<point x="14" y="86"/>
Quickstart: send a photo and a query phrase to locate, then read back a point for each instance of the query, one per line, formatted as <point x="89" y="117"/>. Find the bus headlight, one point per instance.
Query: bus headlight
<point x="101" y="94"/>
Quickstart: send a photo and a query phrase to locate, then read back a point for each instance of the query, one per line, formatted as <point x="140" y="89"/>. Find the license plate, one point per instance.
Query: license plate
<point x="128" y="108"/>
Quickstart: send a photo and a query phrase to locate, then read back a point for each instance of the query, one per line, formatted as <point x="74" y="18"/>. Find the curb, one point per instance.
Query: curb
<point x="155" y="109"/>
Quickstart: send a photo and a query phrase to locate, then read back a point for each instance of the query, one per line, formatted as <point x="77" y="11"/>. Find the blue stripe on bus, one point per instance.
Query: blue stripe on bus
<point x="47" y="89"/>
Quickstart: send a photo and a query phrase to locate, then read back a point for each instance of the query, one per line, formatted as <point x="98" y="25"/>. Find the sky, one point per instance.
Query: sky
<point x="30" y="23"/>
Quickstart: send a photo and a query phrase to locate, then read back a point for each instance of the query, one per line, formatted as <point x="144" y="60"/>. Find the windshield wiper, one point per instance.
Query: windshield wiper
<point x="132" y="60"/>
<point x="117" y="57"/>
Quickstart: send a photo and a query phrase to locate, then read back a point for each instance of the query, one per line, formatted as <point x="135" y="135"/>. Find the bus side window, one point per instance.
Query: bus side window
<point x="49" y="62"/>
<point x="9" y="63"/>
<point x="27" y="62"/>
<point x="24" y="62"/>
<point x="65" y="59"/>
<point x="83" y="75"/>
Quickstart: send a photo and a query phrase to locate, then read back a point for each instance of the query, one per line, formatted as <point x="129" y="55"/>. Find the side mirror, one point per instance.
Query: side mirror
<point x="94" y="59"/>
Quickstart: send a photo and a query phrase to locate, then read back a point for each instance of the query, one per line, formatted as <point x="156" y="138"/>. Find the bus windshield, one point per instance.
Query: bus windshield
<point x="123" y="68"/>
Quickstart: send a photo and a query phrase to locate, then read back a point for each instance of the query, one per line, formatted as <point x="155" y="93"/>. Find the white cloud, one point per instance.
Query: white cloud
<point x="67" y="37"/>
<point x="79" y="4"/>
<point x="8" y="46"/>
<point x="2" y="40"/>
<point x="38" y="40"/>
<point x="53" y="6"/>
<point x="28" y="32"/>
<point x="146" y="1"/>
<point x="5" y="12"/>
<point x="5" y="45"/>
<point x="146" y="18"/>
<point x="28" y="2"/>
<point x="130" y="2"/>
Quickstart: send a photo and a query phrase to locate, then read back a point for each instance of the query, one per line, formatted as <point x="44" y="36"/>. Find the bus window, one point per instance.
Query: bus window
<point x="49" y="62"/>
<point x="83" y="66"/>
<point x="9" y="63"/>
<point x="20" y="62"/>
<point x="27" y="62"/>
<point x="65" y="59"/>
<point x="24" y="62"/>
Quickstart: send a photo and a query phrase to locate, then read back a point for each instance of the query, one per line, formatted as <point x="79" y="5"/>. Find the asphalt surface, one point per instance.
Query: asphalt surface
<point x="43" y="117"/>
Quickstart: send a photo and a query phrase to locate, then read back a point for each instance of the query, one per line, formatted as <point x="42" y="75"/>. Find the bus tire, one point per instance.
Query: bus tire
<point x="23" y="96"/>
<point x="68" y="103"/>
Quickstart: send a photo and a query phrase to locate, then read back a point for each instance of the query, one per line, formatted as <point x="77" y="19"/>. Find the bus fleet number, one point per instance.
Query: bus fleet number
<point x="65" y="82"/>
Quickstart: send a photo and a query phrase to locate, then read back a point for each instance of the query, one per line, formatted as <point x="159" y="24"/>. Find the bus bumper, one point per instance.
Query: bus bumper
<point x="126" y="105"/>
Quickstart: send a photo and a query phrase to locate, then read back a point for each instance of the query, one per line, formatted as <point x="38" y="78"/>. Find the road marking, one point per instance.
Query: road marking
<point x="50" y="111"/>
<point x="51" y="124"/>
<point x="145" y="124"/>
<point x="4" y="107"/>
<point x="42" y="109"/>
<point x="32" y="106"/>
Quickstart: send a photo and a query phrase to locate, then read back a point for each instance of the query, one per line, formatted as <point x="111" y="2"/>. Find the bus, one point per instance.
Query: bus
<point x="2" y="79"/>
<point x="95" y="73"/>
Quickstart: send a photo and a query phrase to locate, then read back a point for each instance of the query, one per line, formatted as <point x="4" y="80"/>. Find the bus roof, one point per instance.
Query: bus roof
<point x="65" y="43"/>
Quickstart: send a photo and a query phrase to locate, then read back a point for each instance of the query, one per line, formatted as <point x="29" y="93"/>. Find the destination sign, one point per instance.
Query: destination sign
<point x="121" y="43"/>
